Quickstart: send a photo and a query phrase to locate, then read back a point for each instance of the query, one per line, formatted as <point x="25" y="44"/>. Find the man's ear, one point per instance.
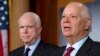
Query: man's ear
<point x="88" y="24"/>
<point x="39" y="30"/>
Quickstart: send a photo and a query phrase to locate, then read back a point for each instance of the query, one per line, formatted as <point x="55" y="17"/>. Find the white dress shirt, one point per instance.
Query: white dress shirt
<point x="32" y="47"/>
<point x="76" y="46"/>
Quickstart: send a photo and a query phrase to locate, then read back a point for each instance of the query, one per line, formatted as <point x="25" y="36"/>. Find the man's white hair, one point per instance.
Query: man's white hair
<point x="86" y="14"/>
<point x="35" y="16"/>
<point x="85" y="10"/>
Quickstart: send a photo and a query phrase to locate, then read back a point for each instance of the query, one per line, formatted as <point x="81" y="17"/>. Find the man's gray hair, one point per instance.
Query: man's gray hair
<point x="35" y="16"/>
<point x="86" y="13"/>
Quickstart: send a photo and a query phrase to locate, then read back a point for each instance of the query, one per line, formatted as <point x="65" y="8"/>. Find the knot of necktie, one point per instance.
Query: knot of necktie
<point x="26" y="52"/>
<point x="69" y="50"/>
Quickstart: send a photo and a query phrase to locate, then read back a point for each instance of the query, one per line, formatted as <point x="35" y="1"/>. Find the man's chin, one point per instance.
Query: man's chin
<point x="26" y="42"/>
<point x="67" y="36"/>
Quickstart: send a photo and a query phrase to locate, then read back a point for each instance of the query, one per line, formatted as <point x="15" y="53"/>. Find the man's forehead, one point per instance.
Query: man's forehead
<point x="71" y="10"/>
<point x="75" y="4"/>
<point x="26" y="17"/>
<point x="73" y="7"/>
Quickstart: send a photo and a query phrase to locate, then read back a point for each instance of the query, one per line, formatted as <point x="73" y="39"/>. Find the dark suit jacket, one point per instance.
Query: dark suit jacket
<point x="43" y="49"/>
<point x="89" y="48"/>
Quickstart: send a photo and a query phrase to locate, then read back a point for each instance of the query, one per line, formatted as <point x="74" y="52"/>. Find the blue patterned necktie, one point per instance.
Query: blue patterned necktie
<point x="26" y="52"/>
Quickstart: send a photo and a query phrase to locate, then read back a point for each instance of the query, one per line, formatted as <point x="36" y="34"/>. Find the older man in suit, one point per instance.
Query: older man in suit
<point x="76" y="24"/>
<point x="30" y="33"/>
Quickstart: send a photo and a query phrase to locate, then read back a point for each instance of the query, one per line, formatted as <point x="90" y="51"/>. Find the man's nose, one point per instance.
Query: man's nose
<point x="25" y="30"/>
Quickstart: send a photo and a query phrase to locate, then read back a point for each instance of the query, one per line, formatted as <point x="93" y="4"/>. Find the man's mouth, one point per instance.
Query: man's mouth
<point x="65" y="27"/>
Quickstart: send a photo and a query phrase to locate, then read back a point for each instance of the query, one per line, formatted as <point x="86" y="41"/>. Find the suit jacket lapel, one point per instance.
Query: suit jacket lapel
<point x="21" y="51"/>
<point x="39" y="49"/>
<point x="84" y="50"/>
<point x="62" y="50"/>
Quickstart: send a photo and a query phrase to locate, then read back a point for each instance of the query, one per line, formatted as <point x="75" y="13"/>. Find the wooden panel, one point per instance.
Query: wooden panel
<point x="47" y="9"/>
<point x="62" y="3"/>
<point x="52" y="23"/>
<point x="18" y="7"/>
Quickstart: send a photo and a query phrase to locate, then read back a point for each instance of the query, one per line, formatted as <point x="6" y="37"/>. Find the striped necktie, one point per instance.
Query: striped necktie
<point x="69" y="50"/>
<point x="26" y="52"/>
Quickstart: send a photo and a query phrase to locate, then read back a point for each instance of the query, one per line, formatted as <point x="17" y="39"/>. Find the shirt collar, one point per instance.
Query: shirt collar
<point x="78" y="44"/>
<point x="34" y="44"/>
